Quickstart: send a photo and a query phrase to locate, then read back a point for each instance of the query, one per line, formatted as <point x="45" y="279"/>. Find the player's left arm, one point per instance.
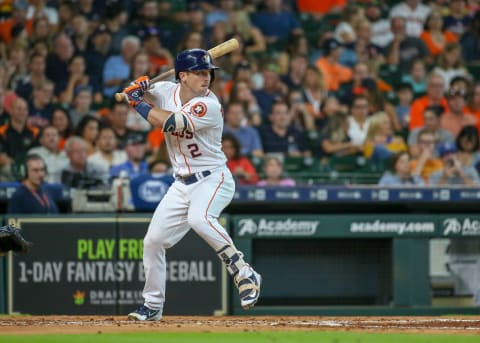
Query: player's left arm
<point x="167" y="120"/>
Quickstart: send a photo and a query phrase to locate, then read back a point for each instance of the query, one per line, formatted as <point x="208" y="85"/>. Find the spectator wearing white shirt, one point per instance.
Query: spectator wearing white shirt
<point x="55" y="160"/>
<point x="415" y="14"/>
<point x="358" y="120"/>
<point x="107" y="155"/>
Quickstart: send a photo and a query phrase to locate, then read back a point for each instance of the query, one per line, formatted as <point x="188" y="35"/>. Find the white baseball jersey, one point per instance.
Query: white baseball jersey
<point x="198" y="148"/>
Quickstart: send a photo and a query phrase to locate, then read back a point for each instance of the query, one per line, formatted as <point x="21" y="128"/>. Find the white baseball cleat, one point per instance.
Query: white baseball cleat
<point x="248" y="283"/>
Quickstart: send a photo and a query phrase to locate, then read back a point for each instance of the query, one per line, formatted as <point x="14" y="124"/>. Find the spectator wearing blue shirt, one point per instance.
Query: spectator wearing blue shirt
<point x="31" y="196"/>
<point x="117" y="67"/>
<point x="135" y="164"/>
<point x="236" y="124"/>
<point x="276" y="24"/>
<point x="399" y="173"/>
<point x="281" y="136"/>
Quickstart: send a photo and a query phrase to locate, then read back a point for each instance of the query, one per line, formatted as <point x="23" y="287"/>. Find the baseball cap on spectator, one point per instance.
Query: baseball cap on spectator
<point x="447" y="148"/>
<point x="148" y="32"/>
<point x="329" y="45"/>
<point x="102" y="28"/>
<point x="134" y="138"/>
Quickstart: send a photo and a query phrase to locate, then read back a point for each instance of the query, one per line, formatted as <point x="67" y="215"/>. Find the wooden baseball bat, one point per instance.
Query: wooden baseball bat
<point x="217" y="51"/>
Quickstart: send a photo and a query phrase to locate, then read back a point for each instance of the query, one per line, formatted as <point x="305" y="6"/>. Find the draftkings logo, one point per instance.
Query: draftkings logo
<point x="79" y="298"/>
<point x="467" y="227"/>
<point x="288" y="227"/>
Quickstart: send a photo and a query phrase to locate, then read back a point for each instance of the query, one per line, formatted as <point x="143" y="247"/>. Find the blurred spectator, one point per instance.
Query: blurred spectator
<point x="381" y="142"/>
<point x="35" y="75"/>
<point x="81" y="173"/>
<point x="378" y="102"/>
<point x="271" y="90"/>
<point x="96" y="56"/>
<point x="81" y="106"/>
<point x="433" y="97"/>
<point x="135" y="164"/>
<point x="431" y="119"/>
<point x="48" y="150"/>
<point x="334" y="139"/>
<point x="40" y="108"/>
<point x="334" y="74"/>
<point x="242" y="93"/>
<point x="358" y="120"/>
<point x="404" y="94"/>
<point x="297" y="44"/>
<point x="77" y="77"/>
<point x="365" y="50"/>
<point x="87" y="129"/>
<point x="274" y="174"/>
<point x="158" y="56"/>
<point x="470" y="40"/>
<point x="355" y="86"/>
<point x="116" y="18"/>
<point x="61" y="121"/>
<point x="58" y="60"/>
<point x="474" y="101"/>
<point x="16" y="137"/>
<point x="450" y="64"/>
<point x="107" y="153"/>
<point x="41" y="31"/>
<point x="242" y="169"/>
<point x="3" y="112"/>
<point x="467" y="143"/>
<point x="116" y="69"/>
<point x="247" y="136"/>
<point x="453" y="172"/>
<point x="66" y="11"/>
<point x="415" y="14"/>
<point x="404" y="49"/>
<point x="296" y="71"/>
<point x="31" y="197"/>
<point x="147" y="17"/>
<point x="417" y="77"/>
<point x="303" y="116"/>
<point x="399" y="173"/>
<point x="40" y="8"/>
<point x="435" y="36"/>
<point x="344" y="32"/>
<point x="280" y="136"/>
<point x="80" y="33"/>
<point x="458" y="17"/>
<point x="314" y="92"/>
<point x="17" y="19"/>
<point x="15" y="66"/>
<point x="457" y="116"/>
<point x="192" y="39"/>
<point x="426" y="163"/>
<point x="276" y="24"/>
<point x="117" y="119"/>
<point x="381" y="33"/>
<point x="320" y="8"/>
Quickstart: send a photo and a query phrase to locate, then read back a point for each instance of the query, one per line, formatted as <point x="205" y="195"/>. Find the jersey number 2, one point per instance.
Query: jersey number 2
<point x="193" y="148"/>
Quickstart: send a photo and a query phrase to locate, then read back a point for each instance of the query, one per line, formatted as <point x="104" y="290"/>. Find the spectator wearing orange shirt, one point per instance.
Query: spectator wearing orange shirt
<point x="333" y="72"/>
<point x="242" y="169"/>
<point x="434" y="36"/>
<point x="457" y="116"/>
<point x="434" y="97"/>
<point x="426" y="163"/>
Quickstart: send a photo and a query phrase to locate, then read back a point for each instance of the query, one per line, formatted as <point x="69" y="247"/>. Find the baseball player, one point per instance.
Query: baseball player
<point x="191" y="117"/>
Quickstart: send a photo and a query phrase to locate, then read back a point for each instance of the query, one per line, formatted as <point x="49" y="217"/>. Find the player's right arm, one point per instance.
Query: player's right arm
<point x="167" y="120"/>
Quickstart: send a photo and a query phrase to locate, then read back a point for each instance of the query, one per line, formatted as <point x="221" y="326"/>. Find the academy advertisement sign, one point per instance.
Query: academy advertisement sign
<point x="348" y="226"/>
<point x="97" y="268"/>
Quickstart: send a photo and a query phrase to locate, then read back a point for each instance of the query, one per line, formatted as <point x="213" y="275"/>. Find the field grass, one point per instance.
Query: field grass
<point x="244" y="337"/>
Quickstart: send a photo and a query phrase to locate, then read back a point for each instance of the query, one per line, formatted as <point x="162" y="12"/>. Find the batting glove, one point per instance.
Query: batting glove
<point x="144" y="83"/>
<point x="134" y="94"/>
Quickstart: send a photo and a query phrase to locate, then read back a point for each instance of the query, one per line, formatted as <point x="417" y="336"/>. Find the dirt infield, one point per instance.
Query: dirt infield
<point x="466" y="325"/>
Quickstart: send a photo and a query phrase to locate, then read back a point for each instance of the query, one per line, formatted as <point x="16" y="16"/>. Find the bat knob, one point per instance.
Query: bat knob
<point x="120" y="97"/>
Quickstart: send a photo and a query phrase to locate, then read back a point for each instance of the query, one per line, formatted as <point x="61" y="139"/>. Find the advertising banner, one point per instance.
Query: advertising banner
<point x="94" y="266"/>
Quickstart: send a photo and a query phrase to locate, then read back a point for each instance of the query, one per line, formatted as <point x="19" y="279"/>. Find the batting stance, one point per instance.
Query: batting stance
<point x="191" y="117"/>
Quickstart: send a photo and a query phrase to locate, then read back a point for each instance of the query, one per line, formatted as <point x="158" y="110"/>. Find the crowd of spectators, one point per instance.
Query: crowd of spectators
<point x="388" y="81"/>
